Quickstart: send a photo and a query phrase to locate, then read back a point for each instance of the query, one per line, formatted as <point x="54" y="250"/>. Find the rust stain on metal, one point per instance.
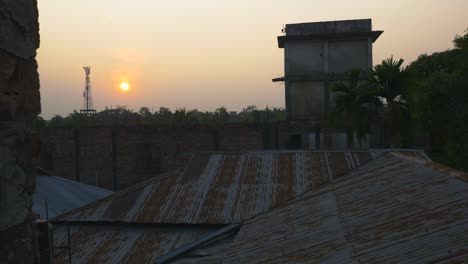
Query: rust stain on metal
<point x="455" y="173"/>
<point x="321" y="207"/>
<point x="393" y="209"/>
<point x="97" y="244"/>
<point x="224" y="188"/>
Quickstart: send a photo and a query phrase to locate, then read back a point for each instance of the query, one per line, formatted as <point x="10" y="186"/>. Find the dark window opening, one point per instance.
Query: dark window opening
<point x="47" y="161"/>
<point x="148" y="158"/>
<point x="295" y="141"/>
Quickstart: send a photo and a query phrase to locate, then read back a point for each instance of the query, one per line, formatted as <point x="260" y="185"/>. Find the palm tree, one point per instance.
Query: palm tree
<point x="389" y="85"/>
<point x="352" y="102"/>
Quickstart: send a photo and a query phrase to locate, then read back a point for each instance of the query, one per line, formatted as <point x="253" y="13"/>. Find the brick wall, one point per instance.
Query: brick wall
<point x="112" y="158"/>
<point x="241" y="137"/>
<point x="118" y="157"/>
<point x="57" y="152"/>
<point x="95" y="162"/>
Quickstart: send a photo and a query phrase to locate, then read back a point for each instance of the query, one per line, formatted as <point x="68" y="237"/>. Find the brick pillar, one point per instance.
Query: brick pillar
<point x="19" y="149"/>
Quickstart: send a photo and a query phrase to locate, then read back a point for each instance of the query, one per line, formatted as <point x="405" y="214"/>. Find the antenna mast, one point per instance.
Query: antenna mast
<point x="88" y="98"/>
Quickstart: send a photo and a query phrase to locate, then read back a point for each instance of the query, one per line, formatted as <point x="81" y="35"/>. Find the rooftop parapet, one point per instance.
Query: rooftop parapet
<point x="329" y="27"/>
<point x="329" y="30"/>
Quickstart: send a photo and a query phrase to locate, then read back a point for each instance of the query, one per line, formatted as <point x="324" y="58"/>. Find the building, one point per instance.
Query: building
<point x="19" y="147"/>
<point x="316" y="55"/>
<point x="279" y="207"/>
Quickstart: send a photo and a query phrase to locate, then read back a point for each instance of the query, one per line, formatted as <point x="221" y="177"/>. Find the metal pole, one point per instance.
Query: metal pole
<point x="46" y="210"/>
<point x="69" y="246"/>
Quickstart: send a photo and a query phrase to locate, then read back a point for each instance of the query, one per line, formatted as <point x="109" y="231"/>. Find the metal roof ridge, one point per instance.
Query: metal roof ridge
<point x="44" y="171"/>
<point x="209" y="238"/>
<point x="461" y="175"/>
<point x="302" y="151"/>
<point x="78" y="183"/>
<point x="166" y="226"/>
<point x="400" y="149"/>
<point x="137" y="186"/>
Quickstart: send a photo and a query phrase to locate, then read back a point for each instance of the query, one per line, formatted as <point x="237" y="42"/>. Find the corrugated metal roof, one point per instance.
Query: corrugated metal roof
<point x="63" y="195"/>
<point x="203" y="246"/>
<point x="211" y="253"/>
<point x="397" y="207"/>
<point x="122" y="244"/>
<point x="392" y="210"/>
<point x="224" y="188"/>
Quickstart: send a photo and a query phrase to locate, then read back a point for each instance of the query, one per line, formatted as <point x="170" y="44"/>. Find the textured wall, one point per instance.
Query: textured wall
<point x="310" y="63"/>
<point x="348" y="54"/>
<point x="89" y="153"/>
<point x="308" y="100"/>
<point x="19" y="104"/>
<point x="304" y="57"/>
<point x="321" y="52"/>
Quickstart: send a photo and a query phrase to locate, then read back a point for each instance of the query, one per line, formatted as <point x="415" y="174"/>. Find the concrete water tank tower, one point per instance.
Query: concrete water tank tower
<point x="317" y="54"/>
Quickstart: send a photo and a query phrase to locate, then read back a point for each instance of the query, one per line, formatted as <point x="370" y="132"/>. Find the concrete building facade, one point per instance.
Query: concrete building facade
<point x="316" y="55"/>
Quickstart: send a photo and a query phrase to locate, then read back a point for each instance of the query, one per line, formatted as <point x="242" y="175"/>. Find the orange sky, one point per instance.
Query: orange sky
<point x="208" y="53"/>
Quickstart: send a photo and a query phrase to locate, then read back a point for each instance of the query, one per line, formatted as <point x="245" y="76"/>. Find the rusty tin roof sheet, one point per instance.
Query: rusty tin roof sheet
<point x="122" y="244"/>
<point x="224" y="188"/>
<point x="398" y="207"/>
<point x="395" y="209"/>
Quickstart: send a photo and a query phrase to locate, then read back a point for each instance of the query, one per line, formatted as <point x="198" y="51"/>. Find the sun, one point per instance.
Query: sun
<point x="124" y="86"/>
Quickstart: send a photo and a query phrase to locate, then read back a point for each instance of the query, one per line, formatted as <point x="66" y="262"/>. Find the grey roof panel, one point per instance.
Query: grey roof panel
<point x="63" y="195"/>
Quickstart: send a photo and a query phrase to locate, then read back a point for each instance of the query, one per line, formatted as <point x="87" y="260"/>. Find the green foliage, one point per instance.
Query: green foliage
<point x="221" y="115"/>
<point x="461" y="42"/>
<point x="39" y="123"/>
<point x="352" y="105"/>
<point x="441" y="99"/>
<point x="390" y="79"/>
<point x="390" y="84"/>
<point x="381" y="99"/>
<point x="121" y="115"/>
<point x="430" y="97"/>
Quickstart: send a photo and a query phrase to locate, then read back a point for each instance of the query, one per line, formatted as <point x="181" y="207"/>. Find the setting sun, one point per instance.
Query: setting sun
<point x="124" y="86"/>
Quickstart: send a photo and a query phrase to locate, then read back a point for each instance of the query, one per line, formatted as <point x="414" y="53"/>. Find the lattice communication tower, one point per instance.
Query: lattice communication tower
<point x="88" y="97"/>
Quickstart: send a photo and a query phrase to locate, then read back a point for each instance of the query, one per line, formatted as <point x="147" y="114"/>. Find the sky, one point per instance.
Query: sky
<point x="206" y="54"/>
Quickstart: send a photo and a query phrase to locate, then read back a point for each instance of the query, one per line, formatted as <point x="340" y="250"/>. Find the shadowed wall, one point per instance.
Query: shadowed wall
<point x="19" y="149"/>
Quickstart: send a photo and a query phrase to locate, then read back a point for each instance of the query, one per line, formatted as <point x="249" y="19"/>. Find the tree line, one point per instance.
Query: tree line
<point x="400" y="103"/>
<point x="122" y="115"/>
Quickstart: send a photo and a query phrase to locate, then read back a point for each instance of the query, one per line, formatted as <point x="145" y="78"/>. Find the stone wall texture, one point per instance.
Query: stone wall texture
<point x="19" y="148"/>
